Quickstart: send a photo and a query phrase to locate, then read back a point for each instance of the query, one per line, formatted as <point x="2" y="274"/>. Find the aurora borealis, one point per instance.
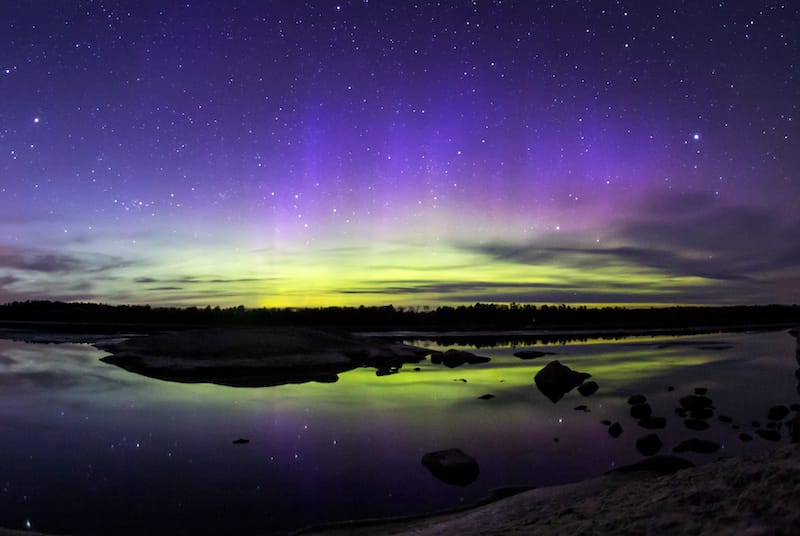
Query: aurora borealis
<point x="289" y="153"/>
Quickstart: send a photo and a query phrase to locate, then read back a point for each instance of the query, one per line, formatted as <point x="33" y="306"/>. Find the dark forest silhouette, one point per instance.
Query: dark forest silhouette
<point x="480" y="316"/>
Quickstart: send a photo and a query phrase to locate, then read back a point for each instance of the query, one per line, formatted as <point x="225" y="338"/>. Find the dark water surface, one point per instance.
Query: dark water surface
<point x="87" y="448"/>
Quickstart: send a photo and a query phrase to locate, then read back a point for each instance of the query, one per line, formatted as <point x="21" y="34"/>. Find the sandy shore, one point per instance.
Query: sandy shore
<point x="744" y="495"/>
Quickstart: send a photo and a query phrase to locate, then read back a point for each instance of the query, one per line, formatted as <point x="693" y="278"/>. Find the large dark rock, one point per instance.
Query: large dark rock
<point x="452" y="466"/>
<point x="456" y="358"/>
<point x="531" y="354"/>
<point x="555" y="380"/>
<point x="696" y="424"/>
<point x="652" y="423"/>
<point x="615" y="430"/>
<point x="660" y="465"/>
<point x="588" y="388"/>
<point x="695" y="402"/>
<point x="777" y="413"/>
<point x="769" y="435"/>
<point x="637" y="399"/>
<point x="641" y="411"/>
<point x="648" y="445"/>
<point x="701" y="446"/>
<point x="701" y="413"/>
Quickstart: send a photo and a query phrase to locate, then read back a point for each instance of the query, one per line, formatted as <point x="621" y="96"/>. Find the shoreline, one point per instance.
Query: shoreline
<point x="753" y="494"/>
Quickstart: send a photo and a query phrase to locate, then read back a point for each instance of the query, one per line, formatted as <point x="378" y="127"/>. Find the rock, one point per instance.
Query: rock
<point x="555" y="440"/>
<point x="555" y="380"/>
<point x="641" y="411"/>
<point x="670" y="388"/>
<point x="652" y="423"/>
<point x="695" y="402"/>
<point x="486" y="397"/>
<point x="531" y="354"/>
<point x="724" y="418"/>
<point x="769" y="435"/>
<point x="417" y="369"/>
<point x="701" y="446"/>
<point x="648" y="445"/>
<point x="701" y="413"/>
<point x="777" y="413"/>
<point x="745" y="437"/>
<point x="452" y="466"/>
<point x="696" y="424"/>
<point x="660" y="465"/>
<point x="462" y="380"/>
<point x="588" y="388"/>
<point x="700" y="390"/>
<point x="241" y="441"/>
<point x="615" y="430"/>
<point x="606" y="422"/>
<point x="582" y="407"/>
<point x="794" y="429"/>
<point x="456" y="358"/>
<point x="637" y="399"/>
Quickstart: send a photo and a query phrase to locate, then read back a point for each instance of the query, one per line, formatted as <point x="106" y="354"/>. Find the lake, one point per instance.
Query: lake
<point x="87" y="448"/>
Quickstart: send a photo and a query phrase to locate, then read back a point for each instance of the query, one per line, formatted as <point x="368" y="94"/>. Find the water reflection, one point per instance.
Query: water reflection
<point x="89" y="448"/>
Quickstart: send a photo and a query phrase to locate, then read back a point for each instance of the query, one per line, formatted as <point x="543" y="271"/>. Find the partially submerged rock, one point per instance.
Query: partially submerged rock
<point x="555" y="380"/>
<point x="531" y="354"/>
<point x="701" y="446"/>
<point x="777" y="413"/>
<point x="452" y="466"/>
<point x="588" y="388"/>
<point x="652" y="423"/>
<point x="641" y="411"/>
<point x="648" y="445"/>
<point x="615" y="430"/>
<point x="456" y="358"/>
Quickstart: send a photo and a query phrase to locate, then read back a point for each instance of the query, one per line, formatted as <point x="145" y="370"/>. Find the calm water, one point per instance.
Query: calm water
<point x="87" y="448"/>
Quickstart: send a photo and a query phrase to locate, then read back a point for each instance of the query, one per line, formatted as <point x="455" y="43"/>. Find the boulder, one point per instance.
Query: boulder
<point x="769" y="435"/>
<point x="641" y="411"/>
<point x="648" y="445"/>
<point x="456" y="358"/>
<point x="695" y="402"/>
<point x="555" y="380"/>
<point x="660" y="465"/>
<point x="588" y="388"/>
<point x="777" y="413"/>
<point x="487" y="396"/>
<point x="637" y="399"/>
<point x="615" y="430"/>
<point x="701" y="413"/>
<point x="652" y="423"/>
<point x="452" y="466"/>
<point x="696" y="424"/>
<point x="701" y="446"/>
<point x="531" y="354"/>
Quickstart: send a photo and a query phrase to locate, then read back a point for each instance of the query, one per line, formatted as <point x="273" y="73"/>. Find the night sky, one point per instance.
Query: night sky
<point x="289" y="153"/>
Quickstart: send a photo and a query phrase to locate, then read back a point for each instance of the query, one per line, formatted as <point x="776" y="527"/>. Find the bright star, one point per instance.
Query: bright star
<point x="696" y="136"/>
<point x="36" y="119"/>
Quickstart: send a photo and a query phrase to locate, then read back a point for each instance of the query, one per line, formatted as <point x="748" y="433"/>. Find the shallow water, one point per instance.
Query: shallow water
<point x="87" y="448"/>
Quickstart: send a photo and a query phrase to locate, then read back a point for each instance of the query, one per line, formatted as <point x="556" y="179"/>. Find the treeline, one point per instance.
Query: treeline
<point x="480" y="316"/>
